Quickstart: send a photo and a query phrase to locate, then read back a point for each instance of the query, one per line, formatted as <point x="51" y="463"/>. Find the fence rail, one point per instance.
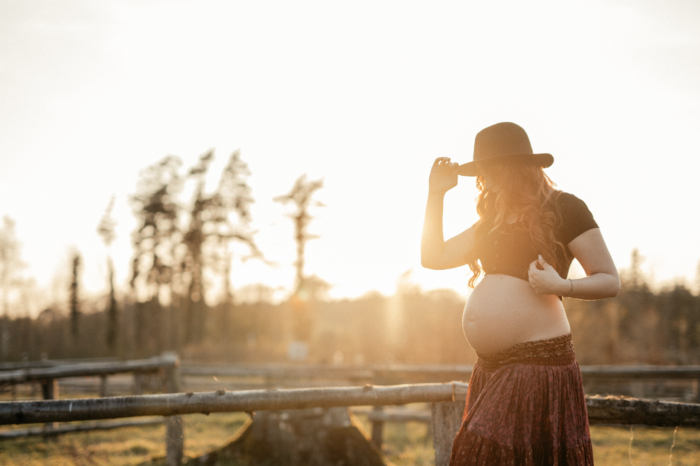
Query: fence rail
<point x="461" y="372"/>
<point x="447" y="399"/>
<point x="87" y="369"/>
<point x="17" y="365"/>
<point x="609" y="410"/>
<point x="73" y="428"/>
<point x="28" y="412"/>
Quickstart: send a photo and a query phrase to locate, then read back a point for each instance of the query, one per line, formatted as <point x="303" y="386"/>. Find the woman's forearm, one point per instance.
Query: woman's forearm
<point x="596" y="286"/>
<point x="432" y="241"/>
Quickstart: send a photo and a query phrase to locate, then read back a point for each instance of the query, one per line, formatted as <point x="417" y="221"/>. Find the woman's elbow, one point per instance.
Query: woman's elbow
<point x="615" y="286"/>
<point x="429" y="264"/>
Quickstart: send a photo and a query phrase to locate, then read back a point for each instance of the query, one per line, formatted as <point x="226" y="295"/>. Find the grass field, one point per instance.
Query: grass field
<point x="405" y="444"/>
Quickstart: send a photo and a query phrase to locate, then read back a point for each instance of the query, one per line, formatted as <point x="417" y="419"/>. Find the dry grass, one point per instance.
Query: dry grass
<point x="405" y="444"/>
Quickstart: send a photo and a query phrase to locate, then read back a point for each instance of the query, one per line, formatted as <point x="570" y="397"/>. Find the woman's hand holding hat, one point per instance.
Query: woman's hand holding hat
<point x="443" y="175"/>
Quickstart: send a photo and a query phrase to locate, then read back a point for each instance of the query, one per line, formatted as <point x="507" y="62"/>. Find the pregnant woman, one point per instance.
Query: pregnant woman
<point x="525" y="404"/>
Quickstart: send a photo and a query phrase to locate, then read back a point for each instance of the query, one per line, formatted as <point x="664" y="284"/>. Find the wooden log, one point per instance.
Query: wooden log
<point x="83" y="427"/>
<point x="84" y="370"/>
<point x="446" y="421"/>
<point x="103" y="386"/>
<point x="627" y="411"/>
<point x="137" y="388"/>
<point x="49" y="391"/>
<point x="25" y="412"/>
<point x="601" y="410"/>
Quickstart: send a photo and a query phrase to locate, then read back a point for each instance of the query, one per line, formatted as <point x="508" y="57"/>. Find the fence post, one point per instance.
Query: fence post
<point x="103" y="386"/>
<point x="378" y="429"/>
<point x="138" y="384"/>
<point x="174" y="435"/>
<point x="49" y="391"/>
<point x="446" y="421"/>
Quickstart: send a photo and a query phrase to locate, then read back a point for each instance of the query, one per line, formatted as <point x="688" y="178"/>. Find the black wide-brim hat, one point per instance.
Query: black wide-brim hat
<point x="502" y="143"/>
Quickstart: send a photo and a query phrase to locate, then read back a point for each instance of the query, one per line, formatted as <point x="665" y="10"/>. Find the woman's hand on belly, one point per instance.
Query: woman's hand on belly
<point x="547" y="279"/>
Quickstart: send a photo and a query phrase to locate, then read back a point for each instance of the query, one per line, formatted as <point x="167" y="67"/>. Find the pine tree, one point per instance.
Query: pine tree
<point x="74" y="297"/>
<point x="106" y="231"/>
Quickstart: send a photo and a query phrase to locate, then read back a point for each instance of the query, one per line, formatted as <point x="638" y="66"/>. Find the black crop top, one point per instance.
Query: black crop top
<point x="509" y="250"/>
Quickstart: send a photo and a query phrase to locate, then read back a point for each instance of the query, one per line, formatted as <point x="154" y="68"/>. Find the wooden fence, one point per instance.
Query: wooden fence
<point x="445" y="416"/>
<point x="49" y="375"/>
<point x="286" y="375"/>
<point x="447" y="407"/>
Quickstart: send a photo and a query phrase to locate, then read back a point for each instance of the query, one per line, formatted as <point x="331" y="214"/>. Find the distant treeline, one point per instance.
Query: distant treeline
<point x="638" y="326"/>
<point x="183" y="252"/>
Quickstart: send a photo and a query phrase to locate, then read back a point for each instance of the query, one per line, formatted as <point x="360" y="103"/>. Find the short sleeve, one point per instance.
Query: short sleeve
<point x="575" y="217"/>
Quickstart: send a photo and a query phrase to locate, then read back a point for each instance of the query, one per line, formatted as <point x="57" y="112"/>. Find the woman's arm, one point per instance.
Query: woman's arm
<point x="601" y="281"/>
<point x="436" y="253"/>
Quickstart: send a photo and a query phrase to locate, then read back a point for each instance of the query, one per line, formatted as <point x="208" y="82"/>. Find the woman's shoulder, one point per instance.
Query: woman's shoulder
<point x="565" y="198"/>
<point x="566" y="202"/>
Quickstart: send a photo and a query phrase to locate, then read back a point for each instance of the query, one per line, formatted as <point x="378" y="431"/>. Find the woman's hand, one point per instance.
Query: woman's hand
<point x="547" y="280"/>
<point x="443" y="175"/>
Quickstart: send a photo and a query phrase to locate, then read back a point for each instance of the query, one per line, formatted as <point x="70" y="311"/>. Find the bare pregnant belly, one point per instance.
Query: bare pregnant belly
<point x="503" y="311"/>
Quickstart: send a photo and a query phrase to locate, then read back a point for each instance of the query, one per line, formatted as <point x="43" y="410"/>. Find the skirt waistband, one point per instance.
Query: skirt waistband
<point x="557" y="351"/>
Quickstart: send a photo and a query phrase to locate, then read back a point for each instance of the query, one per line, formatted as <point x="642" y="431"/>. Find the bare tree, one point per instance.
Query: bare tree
<point x="155" y="241"/>
<point x="210" y="231"/>
<point x="106" y="231"/>
<point x="301" y="198"/>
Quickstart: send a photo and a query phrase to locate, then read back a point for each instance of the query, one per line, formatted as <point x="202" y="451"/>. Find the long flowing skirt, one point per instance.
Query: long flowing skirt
<point x="525" y="406"/>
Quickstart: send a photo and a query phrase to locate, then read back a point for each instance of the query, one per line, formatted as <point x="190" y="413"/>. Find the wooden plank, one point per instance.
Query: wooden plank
<point x="83" y="370"/>
<point x="26" y="412"/>
<point x="82" y="427"/>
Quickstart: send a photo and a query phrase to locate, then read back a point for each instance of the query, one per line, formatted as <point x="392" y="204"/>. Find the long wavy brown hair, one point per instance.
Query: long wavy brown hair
<point x="520" y="195"/>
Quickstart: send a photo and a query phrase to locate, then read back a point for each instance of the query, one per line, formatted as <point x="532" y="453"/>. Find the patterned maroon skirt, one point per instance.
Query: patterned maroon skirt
<point x="525" y="406"/>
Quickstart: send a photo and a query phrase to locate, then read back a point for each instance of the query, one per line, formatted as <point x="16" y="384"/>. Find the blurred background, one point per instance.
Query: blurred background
<point x="229" y="179"/>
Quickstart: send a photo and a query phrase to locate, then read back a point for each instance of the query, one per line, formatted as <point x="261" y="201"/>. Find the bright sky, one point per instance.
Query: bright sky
<point x="364" y="94"/>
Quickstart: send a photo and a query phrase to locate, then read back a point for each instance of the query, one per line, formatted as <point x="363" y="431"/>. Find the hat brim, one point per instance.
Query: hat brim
<point x="474" y="168"/>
